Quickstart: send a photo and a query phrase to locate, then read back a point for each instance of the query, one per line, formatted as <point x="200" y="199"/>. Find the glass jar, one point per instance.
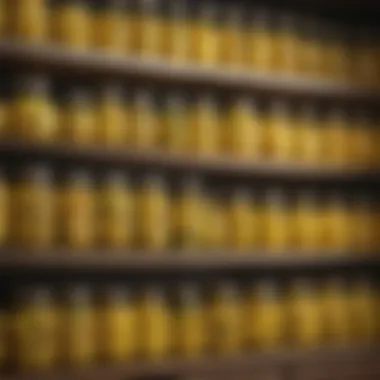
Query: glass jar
<point x="225" y="320"/>
<point x="175" y="42"/>
<point x="35" y="327"/>
<point x="116" y="322"/>
<point x="71" y="23"/>
<point x="277" y="227"/>
<point x="334" y="137"/>
<point x="33" y="209"/>
<point x="360" y="139"/>
<point x="204" y="34"/>
<point x="149" y="28"/>
<point x="78" y="327"/>
<point x="335" y="227"/>
<point x="5" y="209"/>
<point x="176" y="130"/>
<point x="280" y="132"/>
<point x="232" y="33"/>
<point x="267" y="315"/>
<point x="241" y="224"/>
<point x="363" y="311"/>
<point x="204" y="126"/>
<point x="111" y="124"/>
<point x="144" y="120"/>
<point x="242" y="132"/>
<point x="32" y="113"/>
<point x="308" y="143"/>
<point x="305" y="314"/>
<point x="335" y="309"/>
<point x="153" y="214"/>
<point x="108" y="26"/>
<point x="77" y="213"/>
<point x="312" y="48"/>
<point x="188" y="215"/>
<point x="28" y="20"/>
<point x="189" y="322"/>
<point x="77" y="122"/>
<point x="307" y="229"/>
<point x="154" y="323"/>
<point x="285" y="44"/>
<point x="116" y="217"/>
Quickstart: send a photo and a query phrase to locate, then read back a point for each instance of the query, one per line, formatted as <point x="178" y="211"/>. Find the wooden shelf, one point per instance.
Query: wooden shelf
<point x="180" y="163"/>
<point x="197" y="367"/>
<point x="110" y="261"/>
<point x="55" y="59"/>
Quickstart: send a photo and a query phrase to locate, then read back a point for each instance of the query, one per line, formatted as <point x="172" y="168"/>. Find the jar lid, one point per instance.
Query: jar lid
<point x="32" y="84"/>
<point x="37" y="173"/>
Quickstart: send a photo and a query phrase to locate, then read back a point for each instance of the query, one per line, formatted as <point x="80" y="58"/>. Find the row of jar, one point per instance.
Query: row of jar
<point x="206" y="32"/>
<point x="243" y="127"/>
<point x="46" y="327"/>
<point x="39" y="211"/>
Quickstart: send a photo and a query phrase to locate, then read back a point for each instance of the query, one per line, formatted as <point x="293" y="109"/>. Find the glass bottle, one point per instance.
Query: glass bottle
<point x="71" y="24"/>
<point x="111" y="122"/>
<point x="77" y="213"/>
<point x="116" y="218"/>
<point x="33" y="209"/>
<point x="32" y="114"/>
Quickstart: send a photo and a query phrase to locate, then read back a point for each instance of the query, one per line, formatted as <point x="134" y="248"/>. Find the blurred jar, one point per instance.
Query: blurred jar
<point x="154" y="323"/>
<point x="312" y="48"/>
<point x="176" y="129"/>
<point x="260" y="46"/>
<point x="176" y="32"/>
<point x="35" y="327"/>
<point x="3" y="17"/>
<point x="308" y="133"/>
<point x="277" y="222"/>
<point x="363" y="311"/>
<point x="33" y="209"/>
<point x="305" y="314"/>
<point x="116" y="217"/>
<point x="204" y="34"/>
<point x="280" y="131"/>
<point x="111" y="124"/>
<point x="32" y="113"/>
<point x="78" y="327"/>
<point x="77" y="121"/>
<point x="334" y="137"/>
<point x="267" y="315"/>
<point x="242" y="133"/>
<point x="149" y="30"/>
<point x="336" y="57"/>
<point x="28" y="19"/>
<point x="360" y="139"/>
<point x="336" y="224"/>
<point x="116" y="325"/>
<point x="240" y="228"/>
<point x="215" y="220"/>
<point x="144" y="120"/>
<point x="204" y="126"/>
<point x="335" y="309"/>
<point x="189" y="323"/>
<point x="285" y="44"/>
<point x="77" y="213"/>
<point x="109" y="26"/>
<point x="307" y="229"/>
<point x="5" y="209"/>
<point x="5" y="108"/>
<point x="188" y="215"/>
<point x="225" y="319"/>
<point x="364" y="64"/>
<point x="153" y="214"/>
<point x="232" y="34"/>
<point x="71" y="23"/>
<point x="362" y="230"/>
<point x="5" y="328"/>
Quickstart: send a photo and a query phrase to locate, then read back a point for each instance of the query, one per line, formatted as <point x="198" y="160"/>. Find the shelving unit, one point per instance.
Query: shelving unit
<point x="321" y="364"/>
